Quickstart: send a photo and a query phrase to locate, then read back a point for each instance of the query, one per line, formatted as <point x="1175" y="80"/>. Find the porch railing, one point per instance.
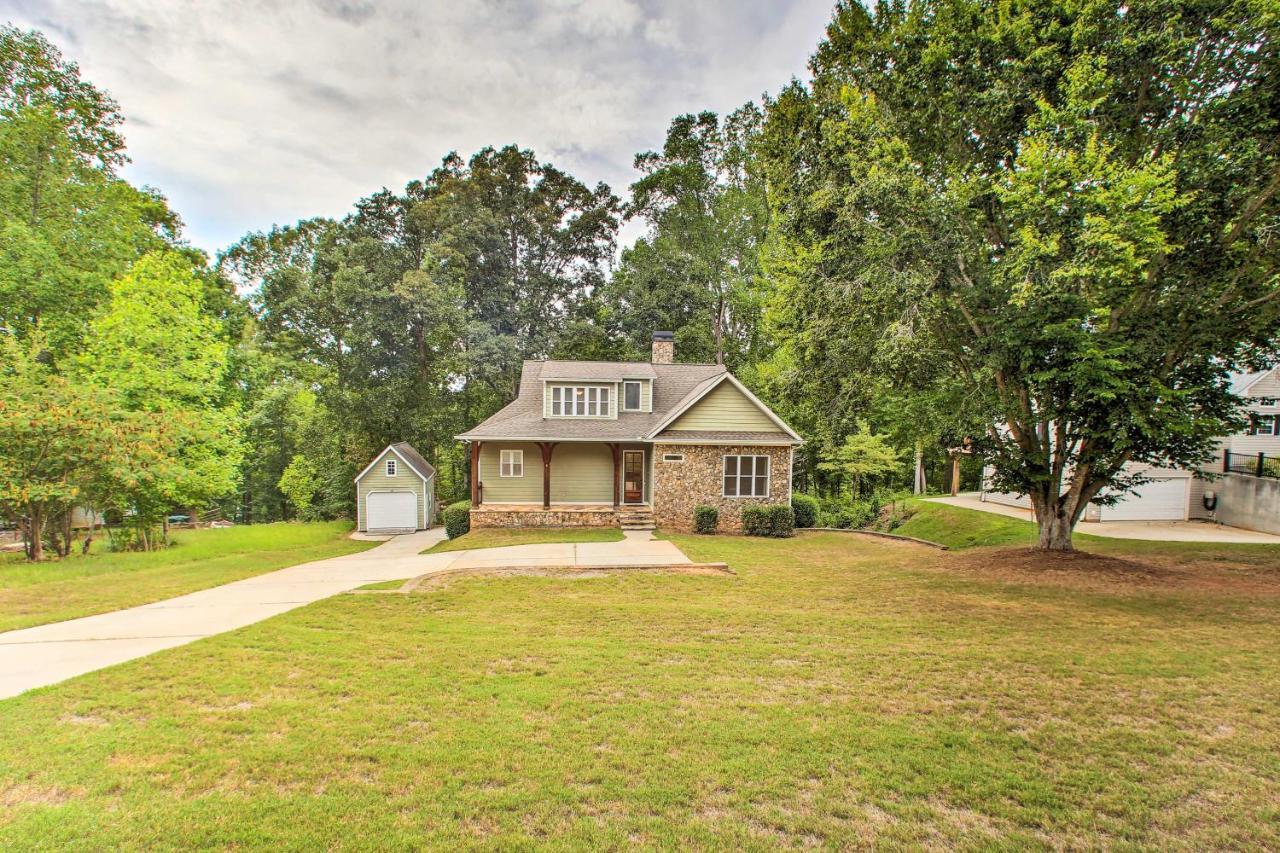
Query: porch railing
<point x="1251" y="464"/>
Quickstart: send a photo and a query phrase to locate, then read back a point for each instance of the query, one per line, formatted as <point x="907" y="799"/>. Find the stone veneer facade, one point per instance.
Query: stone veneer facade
<point x="495" y="515"/>
<point x="678" y="487"/>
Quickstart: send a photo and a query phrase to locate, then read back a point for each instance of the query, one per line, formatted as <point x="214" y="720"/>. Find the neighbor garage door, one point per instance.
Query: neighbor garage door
<point x="391" y="511"/>
<point x="1158" y="500"/>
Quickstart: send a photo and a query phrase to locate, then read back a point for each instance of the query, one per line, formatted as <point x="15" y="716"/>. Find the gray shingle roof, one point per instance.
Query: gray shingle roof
<point x="522" y="419"/>
<point x="415" y="460"/>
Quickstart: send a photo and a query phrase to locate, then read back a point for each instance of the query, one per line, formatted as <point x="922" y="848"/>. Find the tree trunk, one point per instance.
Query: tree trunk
<point x="35" y="533"/>
<point x="719" y="330"/>
<point x="1056" y="520"/>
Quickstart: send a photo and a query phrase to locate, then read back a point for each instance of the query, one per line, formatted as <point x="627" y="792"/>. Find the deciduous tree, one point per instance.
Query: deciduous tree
<point x="1070" y="209"/>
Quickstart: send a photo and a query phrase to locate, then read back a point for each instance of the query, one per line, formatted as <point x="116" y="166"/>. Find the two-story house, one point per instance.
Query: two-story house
<point x="588" y="443"/>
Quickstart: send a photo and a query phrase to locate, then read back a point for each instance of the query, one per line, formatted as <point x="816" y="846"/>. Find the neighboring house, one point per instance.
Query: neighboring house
<point x="396" y="492"/>
<point x="1176" y="494"/>
<point x="588" y="442"/>
<point x="1261" y="392"/>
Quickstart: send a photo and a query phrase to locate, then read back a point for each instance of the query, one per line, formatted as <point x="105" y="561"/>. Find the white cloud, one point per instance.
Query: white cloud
<point x="251" y="113"/>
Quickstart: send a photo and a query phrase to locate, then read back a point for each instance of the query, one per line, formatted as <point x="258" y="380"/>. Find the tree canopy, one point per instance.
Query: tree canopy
<point x="1060" y="217"/>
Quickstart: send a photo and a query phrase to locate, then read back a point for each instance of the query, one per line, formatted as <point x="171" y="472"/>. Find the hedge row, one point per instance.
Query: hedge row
<point x="776" y="520"/>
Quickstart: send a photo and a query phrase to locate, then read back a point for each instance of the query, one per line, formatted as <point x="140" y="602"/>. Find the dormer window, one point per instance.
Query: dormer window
<point x="580" y="401"/>
<point x="631" y="396"/>
<point x="391" y="467"/>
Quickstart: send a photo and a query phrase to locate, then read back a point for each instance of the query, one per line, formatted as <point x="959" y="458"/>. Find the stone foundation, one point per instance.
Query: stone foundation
<point x="678" y="487"/>
<point x="496" y="516"/>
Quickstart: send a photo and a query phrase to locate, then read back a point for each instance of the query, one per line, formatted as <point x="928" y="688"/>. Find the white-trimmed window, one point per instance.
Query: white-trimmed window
<point x="746" y="476"/>
<point x="631" y="396"/>
<point x="580" y="401"/>
<point x="391" y="467"/>
<point x="673" y="457"/>
<point x="511" y="463"/>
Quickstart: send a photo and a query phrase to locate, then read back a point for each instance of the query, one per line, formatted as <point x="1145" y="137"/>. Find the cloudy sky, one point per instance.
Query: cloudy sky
<point x="249" y="113"/>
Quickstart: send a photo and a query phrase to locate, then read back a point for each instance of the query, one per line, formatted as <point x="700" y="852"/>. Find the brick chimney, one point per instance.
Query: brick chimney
<point x="664" y="347"/>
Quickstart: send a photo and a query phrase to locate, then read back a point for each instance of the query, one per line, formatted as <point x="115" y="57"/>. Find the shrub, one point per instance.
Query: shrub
<point x="457" y="519"/>
<point x="806" y="510"/>
<point x="781" y="521"/>
<point x="755" y="520"/>
<point x="862" y="514"/>
<point x="777" y="520"/>
<point x="705" y="519"/>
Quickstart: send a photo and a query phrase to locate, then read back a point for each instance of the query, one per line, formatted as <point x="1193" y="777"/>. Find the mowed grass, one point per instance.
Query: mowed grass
<point x="958" y="527"/>
<point x="497" y="537"/>
<point x="51" y="591"/>
<point x="839" y="692"/>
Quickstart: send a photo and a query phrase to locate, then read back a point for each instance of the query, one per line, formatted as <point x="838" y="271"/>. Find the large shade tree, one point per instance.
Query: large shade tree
<point x="697" y="271"/>
<point x="1065" y="215"/>
<point x="68" y="223"/>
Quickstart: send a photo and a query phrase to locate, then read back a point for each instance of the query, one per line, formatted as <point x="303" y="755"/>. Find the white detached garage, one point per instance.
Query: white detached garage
<point x="1166" y="496"/>
<point x="396" y="492"/>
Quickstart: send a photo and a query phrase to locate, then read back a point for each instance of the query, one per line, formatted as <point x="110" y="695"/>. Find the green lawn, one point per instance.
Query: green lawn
<point x="965" y="528"/>
<point x="839" y="691"/>
<point x="496" y="537"/>
<point x="33" y="594"/>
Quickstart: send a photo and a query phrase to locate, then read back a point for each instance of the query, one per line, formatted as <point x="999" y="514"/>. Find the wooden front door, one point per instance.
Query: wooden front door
<point x="633" y="476"/>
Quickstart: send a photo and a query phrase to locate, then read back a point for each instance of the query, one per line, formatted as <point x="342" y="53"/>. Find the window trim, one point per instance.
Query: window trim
<point x="724" y="475"/>
<point x="639" y="406"/>
<point x="568" y="398"/>
<point x="1258" y="419"/>
<point x="676" y="458"/>
<point x="516" y="457"/>
<point x="391" y="468"/>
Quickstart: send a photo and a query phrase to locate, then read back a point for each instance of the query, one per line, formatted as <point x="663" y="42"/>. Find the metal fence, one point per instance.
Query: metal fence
<point x="1252" y="464"/>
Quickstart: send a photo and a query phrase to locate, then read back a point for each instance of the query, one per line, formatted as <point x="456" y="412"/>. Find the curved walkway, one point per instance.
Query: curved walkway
<point x="47" y="654"/>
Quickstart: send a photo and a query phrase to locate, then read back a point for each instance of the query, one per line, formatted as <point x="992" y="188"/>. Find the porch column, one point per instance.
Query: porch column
<point x="546" y="447"/>
<point x="475" y="472"/>
<point x="617" y="470"/>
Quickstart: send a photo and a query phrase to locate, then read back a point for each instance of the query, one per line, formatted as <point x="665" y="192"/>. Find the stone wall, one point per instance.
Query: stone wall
<point x="497" y="516"/>
<point x="678" y="487"/>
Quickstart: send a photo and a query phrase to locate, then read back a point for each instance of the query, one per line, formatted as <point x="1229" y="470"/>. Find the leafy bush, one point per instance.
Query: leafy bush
<point x="806" y="510"/>
<point x="863" y="513"/>
<point x="705" y="519"/>
<point x="457" y="519"/>
<point x="776" y="520"/>
<point x="755" y="520"/>
<point x="782" y="521"/>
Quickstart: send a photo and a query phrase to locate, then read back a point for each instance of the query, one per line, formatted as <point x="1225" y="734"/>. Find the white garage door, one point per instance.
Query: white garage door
<point x="391" y="511"/>
<point x="1158" y="500"/>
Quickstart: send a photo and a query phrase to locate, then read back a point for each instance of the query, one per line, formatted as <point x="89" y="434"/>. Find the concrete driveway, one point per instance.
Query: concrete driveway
<point x="47" y="654"/>
<point x="1162" y="531"/>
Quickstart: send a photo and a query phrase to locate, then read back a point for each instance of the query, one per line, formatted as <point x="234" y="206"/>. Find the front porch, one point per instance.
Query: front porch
<point x="565" y="478"/>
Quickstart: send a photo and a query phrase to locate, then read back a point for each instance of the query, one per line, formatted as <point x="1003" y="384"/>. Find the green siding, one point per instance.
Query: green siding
<point x="725" y="408"/>
<point x="520" y="490"/>
<point x="582" y="473"/>
<point x="406" y="480"/>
